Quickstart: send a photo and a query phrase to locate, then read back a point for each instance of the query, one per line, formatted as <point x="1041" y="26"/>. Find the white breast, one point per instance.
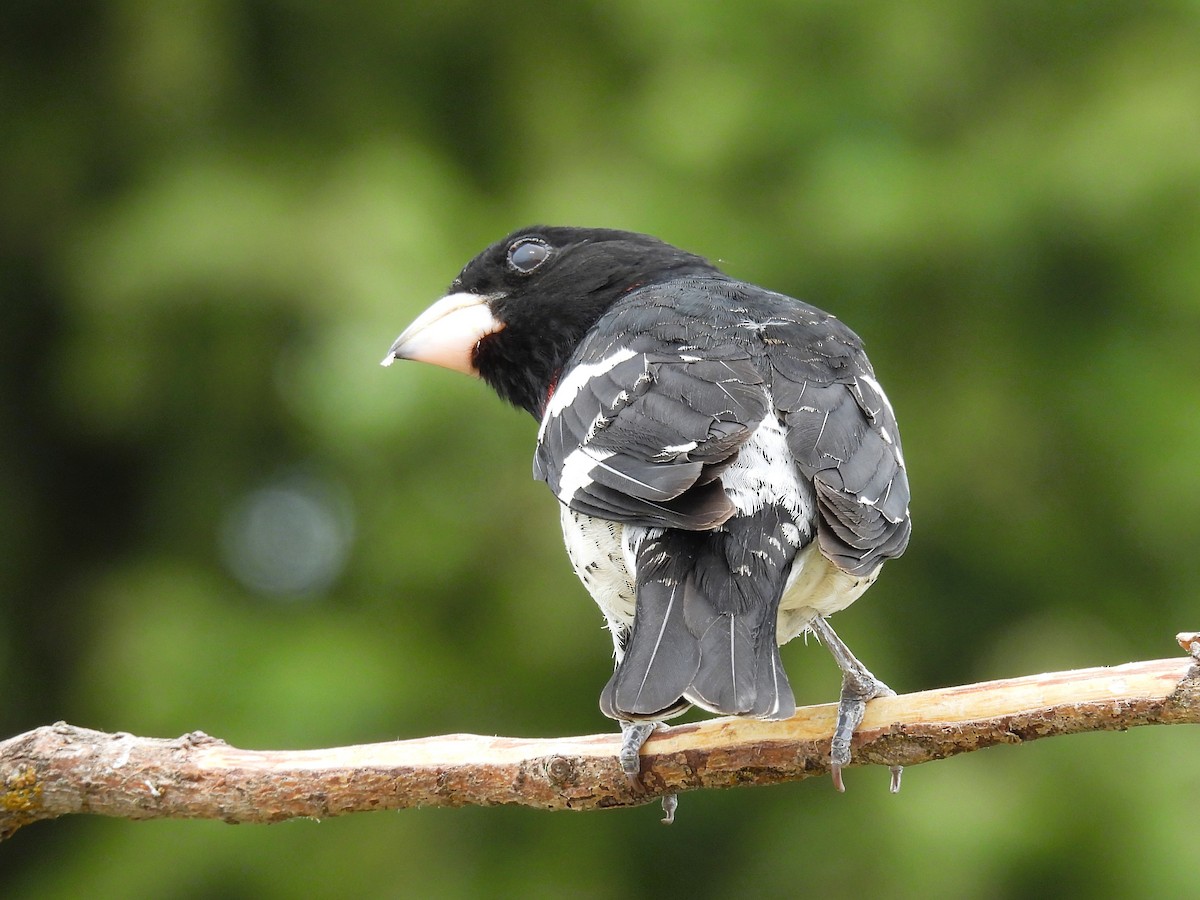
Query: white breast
<point x="816" y="587"/>
<point x="596" y="548"/>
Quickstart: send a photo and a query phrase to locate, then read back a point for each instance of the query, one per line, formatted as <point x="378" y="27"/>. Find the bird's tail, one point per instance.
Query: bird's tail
<point x="704" y="631"/>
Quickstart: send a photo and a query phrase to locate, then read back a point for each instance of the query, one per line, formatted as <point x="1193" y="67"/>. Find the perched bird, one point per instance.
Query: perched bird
<point x="728" y="468"/>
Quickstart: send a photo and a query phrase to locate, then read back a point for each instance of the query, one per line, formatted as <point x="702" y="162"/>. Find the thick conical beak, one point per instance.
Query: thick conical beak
<point x="447" y="333"/>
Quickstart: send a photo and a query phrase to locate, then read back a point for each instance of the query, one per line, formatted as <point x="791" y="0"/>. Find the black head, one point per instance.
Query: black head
<point x="517" y="311"/>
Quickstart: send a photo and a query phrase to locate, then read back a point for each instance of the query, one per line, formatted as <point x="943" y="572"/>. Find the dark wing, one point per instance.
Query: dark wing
<point x="843" y="435"/>
<point x="638" y="430"/>
<point x="658" y="402"/>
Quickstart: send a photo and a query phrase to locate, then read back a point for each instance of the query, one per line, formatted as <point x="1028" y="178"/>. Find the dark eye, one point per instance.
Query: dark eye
<point x="527" y="254"/>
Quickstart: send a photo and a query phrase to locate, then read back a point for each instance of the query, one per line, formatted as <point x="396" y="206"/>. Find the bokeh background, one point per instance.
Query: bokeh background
<point x="217" y="512"/>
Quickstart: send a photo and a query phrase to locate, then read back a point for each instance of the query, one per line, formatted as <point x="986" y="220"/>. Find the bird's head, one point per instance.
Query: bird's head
<point x="518" y="310"/>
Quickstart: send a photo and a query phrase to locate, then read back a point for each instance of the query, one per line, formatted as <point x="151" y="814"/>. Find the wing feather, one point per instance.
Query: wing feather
<point x="843" y="435"/>
<point x="647" y="428"/>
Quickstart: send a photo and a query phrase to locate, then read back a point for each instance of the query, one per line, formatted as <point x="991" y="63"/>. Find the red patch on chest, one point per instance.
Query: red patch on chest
<point x="550" y="391"/>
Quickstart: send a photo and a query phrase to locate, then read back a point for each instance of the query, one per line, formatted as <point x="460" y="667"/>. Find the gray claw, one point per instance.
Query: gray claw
<point x="670" y="802"/>
<point x="836" y="771"/>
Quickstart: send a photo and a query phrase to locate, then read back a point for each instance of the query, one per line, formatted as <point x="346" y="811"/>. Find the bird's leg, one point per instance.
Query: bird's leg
<point x="858" y="686"/>
<point x="633" y="735"/>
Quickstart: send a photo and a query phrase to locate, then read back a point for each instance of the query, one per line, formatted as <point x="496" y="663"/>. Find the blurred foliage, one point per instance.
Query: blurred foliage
<point x="215" y="216"/>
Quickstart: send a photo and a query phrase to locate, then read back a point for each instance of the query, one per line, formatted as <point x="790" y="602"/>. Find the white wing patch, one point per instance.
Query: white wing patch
<point x="668" y="453"/>
<point x="568" y="389"/>
<point x="577" y="470"/>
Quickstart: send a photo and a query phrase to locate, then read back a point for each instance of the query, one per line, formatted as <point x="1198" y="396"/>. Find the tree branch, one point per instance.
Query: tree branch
<point x="60" y="769"/>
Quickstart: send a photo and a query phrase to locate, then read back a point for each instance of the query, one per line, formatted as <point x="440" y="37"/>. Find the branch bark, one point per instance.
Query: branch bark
<point x="60" y="769"/>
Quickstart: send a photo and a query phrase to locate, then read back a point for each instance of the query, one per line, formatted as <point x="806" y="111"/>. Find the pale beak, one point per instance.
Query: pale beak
<point x="447" y="333"/>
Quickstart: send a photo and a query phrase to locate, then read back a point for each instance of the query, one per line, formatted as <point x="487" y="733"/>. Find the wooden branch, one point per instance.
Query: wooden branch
<point x="60" y="769"/>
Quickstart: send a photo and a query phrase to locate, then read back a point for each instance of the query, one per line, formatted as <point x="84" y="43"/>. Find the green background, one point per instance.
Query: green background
<point x="217" y="512"/>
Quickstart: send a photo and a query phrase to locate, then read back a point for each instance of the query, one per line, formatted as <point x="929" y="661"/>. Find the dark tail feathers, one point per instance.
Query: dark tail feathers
<point x="704" y="632"/>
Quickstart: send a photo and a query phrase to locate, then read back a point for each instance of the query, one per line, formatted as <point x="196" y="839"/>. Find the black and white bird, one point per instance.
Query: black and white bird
<point x="728" y="467"/>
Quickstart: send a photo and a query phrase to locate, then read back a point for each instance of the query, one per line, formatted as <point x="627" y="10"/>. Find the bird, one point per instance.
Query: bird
<point x="728" y="468"/>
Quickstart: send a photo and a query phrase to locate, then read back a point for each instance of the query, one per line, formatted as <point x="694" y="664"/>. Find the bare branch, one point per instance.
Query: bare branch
<point x="60" y="769"/>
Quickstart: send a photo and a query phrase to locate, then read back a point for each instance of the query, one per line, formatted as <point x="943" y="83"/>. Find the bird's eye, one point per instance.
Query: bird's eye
<point x="527" y="254"/>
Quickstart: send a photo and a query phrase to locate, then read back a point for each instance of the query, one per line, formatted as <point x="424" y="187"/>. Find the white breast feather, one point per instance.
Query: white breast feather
<point x="766" y="471"/>
<point x="597" y="552"/>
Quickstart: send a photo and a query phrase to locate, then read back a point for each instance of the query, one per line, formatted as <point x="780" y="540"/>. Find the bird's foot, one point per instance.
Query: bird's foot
<point x="858" y="687"/>
<point x="852" y="706"/>
<point x="633" y="736"/>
